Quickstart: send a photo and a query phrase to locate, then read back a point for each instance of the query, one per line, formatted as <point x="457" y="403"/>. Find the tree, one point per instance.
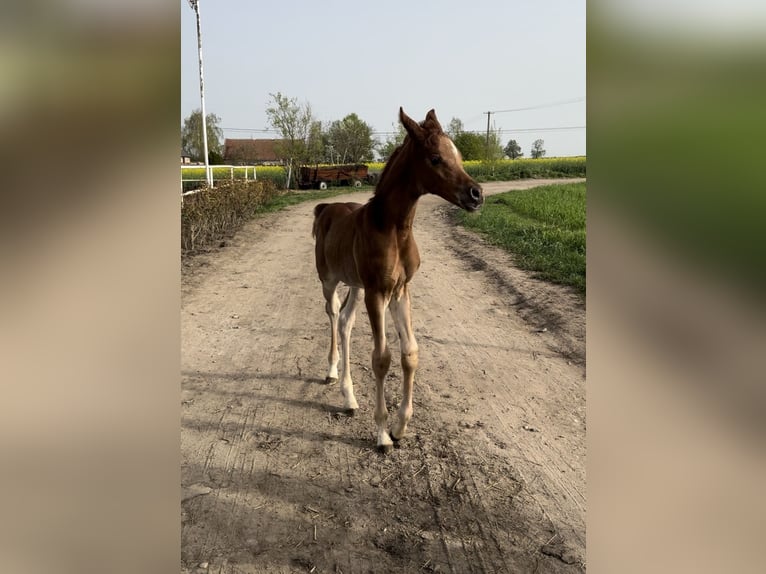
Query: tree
<point x="394" y="141"/>
<point x="537" y="149"/>
<point x="315" y="144"/>
<point x="455" y="128"/>
<point x="351" y="138"/>
<point x="294" y="122"/>
<point x="495" y="149"/>
<point x="191" y="137"/>
<point x="471" y="145"/>
<point x="513" y="150"/>
<point x="474" y="146"/>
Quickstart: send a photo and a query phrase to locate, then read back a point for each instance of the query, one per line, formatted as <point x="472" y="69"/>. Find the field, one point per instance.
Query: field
<point x="500" y="170"/>
<point x="192" y="176"/>
<point x="543" y="227"/>
<point x="512" y="169"/>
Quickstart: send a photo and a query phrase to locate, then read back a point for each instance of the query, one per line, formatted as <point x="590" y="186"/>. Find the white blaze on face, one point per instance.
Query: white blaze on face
<point x="455" y="152"/>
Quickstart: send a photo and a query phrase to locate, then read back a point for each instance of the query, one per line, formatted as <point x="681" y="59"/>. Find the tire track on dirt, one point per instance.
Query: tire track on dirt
<point x="300" y="487"/>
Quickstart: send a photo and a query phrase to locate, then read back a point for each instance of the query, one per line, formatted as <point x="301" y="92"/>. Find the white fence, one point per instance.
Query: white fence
<point x="249" y="175"/>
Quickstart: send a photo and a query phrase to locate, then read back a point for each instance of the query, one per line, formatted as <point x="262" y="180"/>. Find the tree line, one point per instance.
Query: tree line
<point x="308" y="141"/>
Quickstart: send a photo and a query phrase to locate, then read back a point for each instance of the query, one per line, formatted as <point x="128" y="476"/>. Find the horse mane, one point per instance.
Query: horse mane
<point x="391" y="167"/>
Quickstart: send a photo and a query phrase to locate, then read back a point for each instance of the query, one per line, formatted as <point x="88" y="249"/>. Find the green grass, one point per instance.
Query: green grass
<point x="543" y="227"/>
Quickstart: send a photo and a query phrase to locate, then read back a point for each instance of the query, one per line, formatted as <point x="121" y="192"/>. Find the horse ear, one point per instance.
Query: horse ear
<point x="413" y="129"/>
<point x="431" y="121"/>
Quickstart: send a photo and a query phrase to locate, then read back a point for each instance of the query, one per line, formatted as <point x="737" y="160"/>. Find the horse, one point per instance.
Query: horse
<point x="371" y="249"/>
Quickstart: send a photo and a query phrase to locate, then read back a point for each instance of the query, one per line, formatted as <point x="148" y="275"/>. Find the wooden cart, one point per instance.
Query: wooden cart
<point x="319" y="177"/>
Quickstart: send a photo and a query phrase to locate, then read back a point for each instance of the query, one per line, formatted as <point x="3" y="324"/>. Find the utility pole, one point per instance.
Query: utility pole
<point x="488" y="115"/>
<point x="208" y="174"/>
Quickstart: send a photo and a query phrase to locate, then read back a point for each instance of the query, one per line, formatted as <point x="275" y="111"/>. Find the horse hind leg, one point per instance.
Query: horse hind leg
<point x="346" y="324"/>
<point x="332" y="308"/>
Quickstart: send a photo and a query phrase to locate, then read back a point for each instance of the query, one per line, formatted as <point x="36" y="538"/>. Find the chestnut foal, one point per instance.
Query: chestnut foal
<point x="371" y="249"/>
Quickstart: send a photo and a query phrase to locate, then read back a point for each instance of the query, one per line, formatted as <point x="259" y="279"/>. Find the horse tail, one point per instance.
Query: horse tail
<point x="317" y="210"/>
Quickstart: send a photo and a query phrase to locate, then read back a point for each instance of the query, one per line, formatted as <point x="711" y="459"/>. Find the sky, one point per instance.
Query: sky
<point x="345" y="56"/>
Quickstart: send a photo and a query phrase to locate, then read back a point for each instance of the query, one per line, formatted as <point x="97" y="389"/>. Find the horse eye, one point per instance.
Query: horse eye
<point x="436" y="160"/>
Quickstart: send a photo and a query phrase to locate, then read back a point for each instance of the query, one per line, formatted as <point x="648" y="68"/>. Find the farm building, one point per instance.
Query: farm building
<point x="250" y="152"/>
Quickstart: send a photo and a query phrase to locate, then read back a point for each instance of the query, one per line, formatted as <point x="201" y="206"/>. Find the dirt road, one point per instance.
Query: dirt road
<point x="491" y="475"/>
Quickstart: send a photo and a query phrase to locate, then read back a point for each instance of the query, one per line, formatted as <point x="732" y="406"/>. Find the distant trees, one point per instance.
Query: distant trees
<point x="191" y="137"/>
<point x="537" y="149"/>
<point x="513" y="149"/>
<point x="306" y="140"/>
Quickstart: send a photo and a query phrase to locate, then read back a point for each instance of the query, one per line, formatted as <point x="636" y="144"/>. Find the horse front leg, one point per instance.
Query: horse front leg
<point x="401" y="313"/>
<point x="346" y="323"/>
<point x="376" y="304"/>
<point x="332" y="308"/>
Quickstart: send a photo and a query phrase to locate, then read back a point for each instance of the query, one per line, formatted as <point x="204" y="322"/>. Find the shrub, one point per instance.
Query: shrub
<point x="210" y="214"/>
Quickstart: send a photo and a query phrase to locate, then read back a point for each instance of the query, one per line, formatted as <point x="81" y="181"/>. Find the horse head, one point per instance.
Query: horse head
<point x="439" y="164"/>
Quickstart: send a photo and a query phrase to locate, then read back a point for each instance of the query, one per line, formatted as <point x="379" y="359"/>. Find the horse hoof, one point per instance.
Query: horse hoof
<point x="350" y="412"/>
<point x="397" y="443"/>
<point x="330" y="380"/>
<point x="385" y="448"/>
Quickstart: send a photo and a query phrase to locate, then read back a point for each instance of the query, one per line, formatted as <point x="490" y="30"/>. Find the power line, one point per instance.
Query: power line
<point x="539" y="107"/>
<point x="391" y="133"/>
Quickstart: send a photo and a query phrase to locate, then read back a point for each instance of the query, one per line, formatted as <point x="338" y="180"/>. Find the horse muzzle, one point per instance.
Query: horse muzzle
<point x="472" y="198"/>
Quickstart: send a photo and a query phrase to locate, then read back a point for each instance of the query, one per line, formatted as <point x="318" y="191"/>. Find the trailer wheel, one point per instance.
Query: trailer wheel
<point x="357" y="183"/>
<point x="322" y="185"/>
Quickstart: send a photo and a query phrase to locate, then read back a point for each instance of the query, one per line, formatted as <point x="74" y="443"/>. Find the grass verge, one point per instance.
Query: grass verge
<point x="543" y="227"/>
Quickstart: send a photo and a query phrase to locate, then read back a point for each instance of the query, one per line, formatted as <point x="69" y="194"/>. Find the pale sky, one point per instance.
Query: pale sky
<point x="344" y="56"/>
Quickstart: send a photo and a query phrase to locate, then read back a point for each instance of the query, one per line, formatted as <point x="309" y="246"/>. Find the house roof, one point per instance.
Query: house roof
<point x="249" y="150"/>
